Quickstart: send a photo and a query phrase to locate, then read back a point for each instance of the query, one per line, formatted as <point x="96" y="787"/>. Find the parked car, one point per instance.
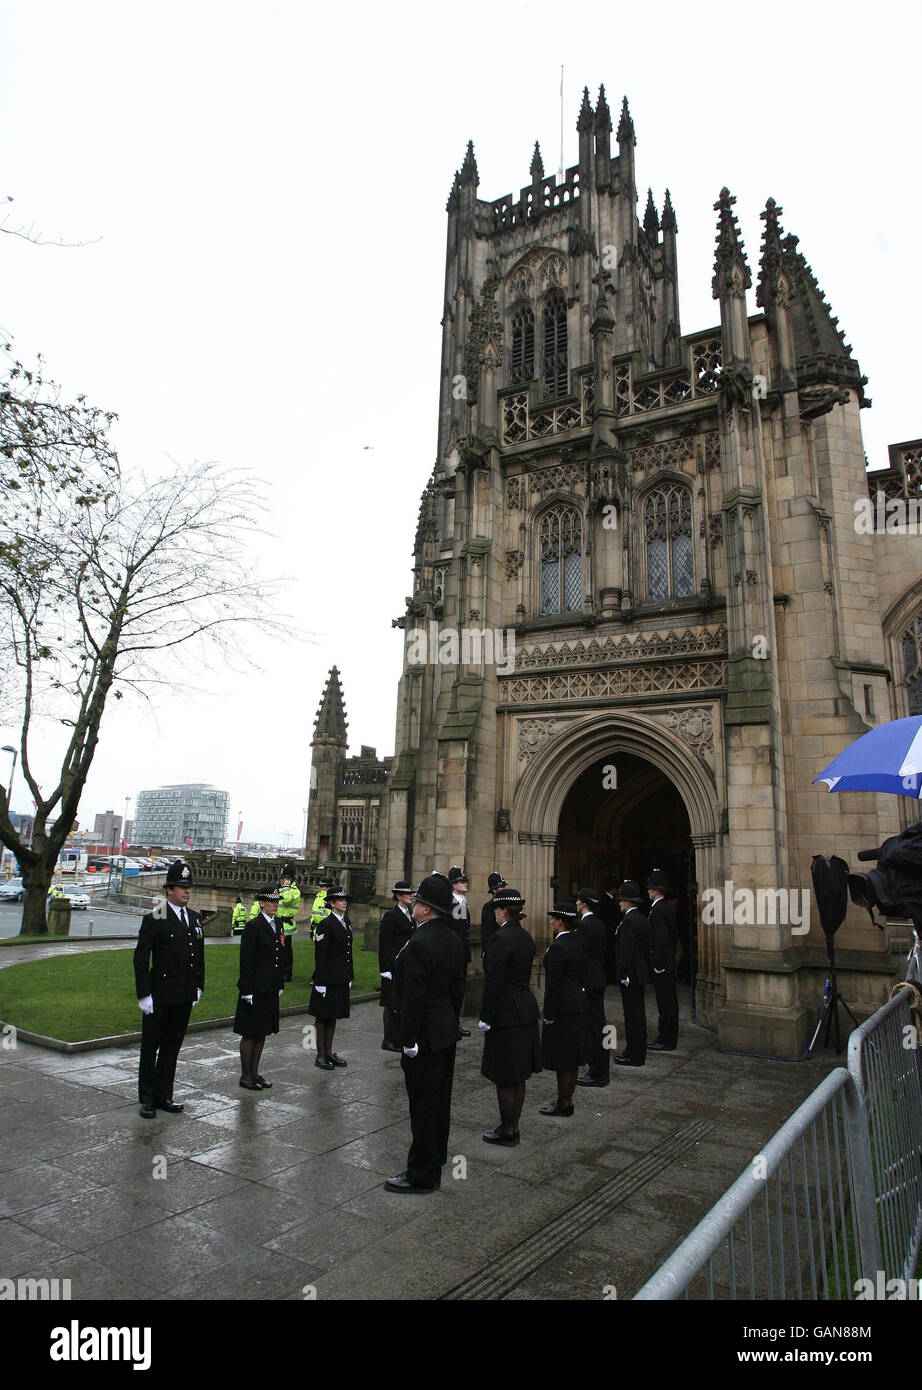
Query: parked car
<point x="77" y="899"/>
<point x="12" y="891"/>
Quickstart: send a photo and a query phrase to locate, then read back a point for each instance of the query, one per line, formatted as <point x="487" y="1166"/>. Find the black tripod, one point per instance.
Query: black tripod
<point x="831" y="1001"/>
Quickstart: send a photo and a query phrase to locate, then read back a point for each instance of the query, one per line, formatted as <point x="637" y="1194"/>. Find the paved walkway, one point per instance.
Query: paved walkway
<point x="268" y="1196"/>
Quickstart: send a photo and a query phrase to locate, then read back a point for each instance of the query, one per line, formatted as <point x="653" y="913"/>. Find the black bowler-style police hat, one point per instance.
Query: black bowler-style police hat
<point x="401" y="886"/>
<point x="630" y="892"/>
<point x="508" y="897"/>
<point x="435" y="892"/>
<point x="269" y="894"/>
<point x="564" y="911"/>
<point x="178" y="875"/>
<point x="660" y="881"/>
<point x="588" y="895"/>
<point x="336" y="892"/>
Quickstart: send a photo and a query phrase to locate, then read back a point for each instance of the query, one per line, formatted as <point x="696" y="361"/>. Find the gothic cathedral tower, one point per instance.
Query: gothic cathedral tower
<point x="639" y="610"/>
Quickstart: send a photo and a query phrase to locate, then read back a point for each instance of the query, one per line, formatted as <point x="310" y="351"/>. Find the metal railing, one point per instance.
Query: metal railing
<point x="834" y="1196"/>
<point x="886" y="1062"/>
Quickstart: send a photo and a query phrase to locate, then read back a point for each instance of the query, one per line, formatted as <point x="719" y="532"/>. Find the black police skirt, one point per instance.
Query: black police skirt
<point x="259" y="1018"/>
<point x="511" y="1055"/>
<point x="333" y="1004"/>
<point x="567" y="1042"/>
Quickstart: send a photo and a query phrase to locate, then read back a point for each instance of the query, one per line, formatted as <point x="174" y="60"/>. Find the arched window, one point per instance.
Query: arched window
<point x="523" y="343"/>
<point x="911" y="647"/>
<point x="561" y="540"/>
<point x="554" y="317"/>
<point x="667" y="526"/>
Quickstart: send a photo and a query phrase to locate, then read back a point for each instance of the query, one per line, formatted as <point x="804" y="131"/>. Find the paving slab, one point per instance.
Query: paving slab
<point x="261" y="1197"/>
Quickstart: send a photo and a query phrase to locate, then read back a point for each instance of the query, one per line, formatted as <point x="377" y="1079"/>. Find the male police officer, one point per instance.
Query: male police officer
<point x="663" y="960"/>
<point x="169" y="970"/>
<point x="633" y="972"/>
<point x="394" y="932"/>
<point x="488" y="923"/>
<point x="239" y="917"/>
<point x="461" y="920"/>
<point x="428" y="995"/>
<point x="319" y="907"/>
<point x="287" y="915"/>
<point x="590" y="933"/>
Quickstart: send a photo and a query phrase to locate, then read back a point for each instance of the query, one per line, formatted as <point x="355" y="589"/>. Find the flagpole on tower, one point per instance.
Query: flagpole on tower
<point x="560" y="169"/>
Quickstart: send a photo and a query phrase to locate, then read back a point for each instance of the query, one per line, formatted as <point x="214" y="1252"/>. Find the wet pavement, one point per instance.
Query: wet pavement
<point x="279" y="1195"/>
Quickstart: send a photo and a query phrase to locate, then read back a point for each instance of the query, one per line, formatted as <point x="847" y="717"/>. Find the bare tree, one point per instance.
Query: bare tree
<point x="100" y="574"/>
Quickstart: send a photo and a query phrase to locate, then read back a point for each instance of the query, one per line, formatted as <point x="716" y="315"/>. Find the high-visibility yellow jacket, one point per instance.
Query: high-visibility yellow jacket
<point x="289" y="903"/>
<point x="239" y="919"/>
<point x="319" y="909"/>
<point x="254" y="910"/>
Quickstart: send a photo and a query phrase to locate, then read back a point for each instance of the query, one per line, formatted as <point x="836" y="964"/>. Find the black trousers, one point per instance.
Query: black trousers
<point x="667" y="1001"/>
<point x="600" y="1059"/>
<point x="635" y="1023"/>
<point x="428" y="1077"/>
<point x="391" y="1026"/>
<point x="162" y="1033"/>
<point x="288" y="960"/>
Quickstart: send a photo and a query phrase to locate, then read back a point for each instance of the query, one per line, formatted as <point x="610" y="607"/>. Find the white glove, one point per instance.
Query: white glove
<point x="626" y="982"/>
<point x="351" y="984"/>
<point x="484" y="1026"/>
<point x="198" y="995"/>
<point x="321" y="990"/>
<point x="146" y="1005"/>
<point x="281" y="992"/>
<point x="386" y="975"/>
<point x="658" y="972"/>
<point x="411" y="1051"/>
<point x="247" y="998"/>
<point x="548" y="1022"/>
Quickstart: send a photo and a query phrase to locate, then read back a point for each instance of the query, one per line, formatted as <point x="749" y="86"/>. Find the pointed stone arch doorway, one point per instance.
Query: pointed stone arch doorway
<point x="622" y="816"/>
<point x="663" y="812"/>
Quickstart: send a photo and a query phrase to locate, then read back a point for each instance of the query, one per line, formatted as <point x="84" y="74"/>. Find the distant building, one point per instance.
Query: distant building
<point x="191" y="811"/>
<point x="107" y="829"/>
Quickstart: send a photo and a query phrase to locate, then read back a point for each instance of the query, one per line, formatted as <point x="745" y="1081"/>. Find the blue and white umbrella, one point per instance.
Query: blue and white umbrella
<point x="888" y="759"/>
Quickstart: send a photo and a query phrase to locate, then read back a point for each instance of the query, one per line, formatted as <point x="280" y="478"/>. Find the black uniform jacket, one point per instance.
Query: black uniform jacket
<point x="507" y="996"/>
<point x="393" y="934"/>
<point x="487" y="925"/>
<point x="333" y="952"/>
<point x="662" y="935"/>
<point x="461" y="926"/>
<point x="564" y="976"/>
<point x="429" y="986"/>
<point x="262" y="969"/>
<point x="169" y="962"/>
<point x="634" y="947"/>
<point x="591" y="933"/>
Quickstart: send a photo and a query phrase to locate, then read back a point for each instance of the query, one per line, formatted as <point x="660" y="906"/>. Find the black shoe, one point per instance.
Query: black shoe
<point x="496" y="1136"/>
<point x="390" y="1047"/>
<point x="660" y="1047"/>
<point x="555" y="1108"/>
<point x="250" y="1085"/>
<point x="168" y="1106"/>
<point x="147" y="1112"/>
<point x="324" y="1063"/>
<point x="402" y="1184"/>
<point x="464" y="1033"/>
<point x="263" y="1084"/>
<point x="590" y="1081"/>
<point x="337" y="1060"/>
<point x="626" y="1062"/>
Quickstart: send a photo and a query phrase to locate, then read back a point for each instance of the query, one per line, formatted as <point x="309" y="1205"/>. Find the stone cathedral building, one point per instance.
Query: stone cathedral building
<point x="656" y="530"/>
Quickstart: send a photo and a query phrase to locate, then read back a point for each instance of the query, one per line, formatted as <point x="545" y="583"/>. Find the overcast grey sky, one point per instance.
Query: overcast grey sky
<point x="262" y="190"/>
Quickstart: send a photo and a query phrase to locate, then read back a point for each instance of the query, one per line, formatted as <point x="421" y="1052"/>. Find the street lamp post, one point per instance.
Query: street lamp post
<point x="9" y="795"/>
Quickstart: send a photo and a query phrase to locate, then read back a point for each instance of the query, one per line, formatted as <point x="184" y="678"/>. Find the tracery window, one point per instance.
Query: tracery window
<point x="561" y="546"/>
<point x="523" y="344"/>
<point x="667" y="525"/>
<point x="911" y="648"/>
<point x="554" y="317"/>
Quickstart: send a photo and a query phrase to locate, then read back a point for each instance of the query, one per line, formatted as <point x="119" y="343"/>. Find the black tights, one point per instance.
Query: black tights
<point x="566" y="1085"/>
<point x="511" y="1099"/>
<point x="251" y="1049"/>
<point x="326" y="1027"/>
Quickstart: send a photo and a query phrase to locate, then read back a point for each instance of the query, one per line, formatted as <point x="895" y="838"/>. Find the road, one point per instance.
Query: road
<point x="92" y="921"/>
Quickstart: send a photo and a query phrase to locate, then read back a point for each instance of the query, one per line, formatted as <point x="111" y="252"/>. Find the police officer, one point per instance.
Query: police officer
<point x="333" y="975"/>
<point x="633" y="972"/>
<point x="169" y="971"/>
<point x="428" y="995"/>
<point x="488" y="911"/>
<point x="461" y="920"/>
<point x="287" y="915"/>
<point x="319" y="908"/>
<point x="394" y="932"/>
<point x="239" y="917"/>
<point x="591" y="934"/>
<point x="566" y="1039"/>
<point x="509" y="1015"/>
<point x="261" y="981"/>
<point x="663" y="961"/>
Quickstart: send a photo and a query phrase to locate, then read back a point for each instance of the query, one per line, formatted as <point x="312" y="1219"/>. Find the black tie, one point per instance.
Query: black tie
<point x="183" y="918"/>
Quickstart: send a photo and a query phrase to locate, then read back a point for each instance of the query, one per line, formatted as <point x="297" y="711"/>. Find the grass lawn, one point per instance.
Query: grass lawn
<point x="92" y="994"/>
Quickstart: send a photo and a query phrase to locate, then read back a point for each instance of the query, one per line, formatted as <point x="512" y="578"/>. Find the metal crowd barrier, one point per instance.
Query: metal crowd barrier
<point x="835" y="1196"/>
